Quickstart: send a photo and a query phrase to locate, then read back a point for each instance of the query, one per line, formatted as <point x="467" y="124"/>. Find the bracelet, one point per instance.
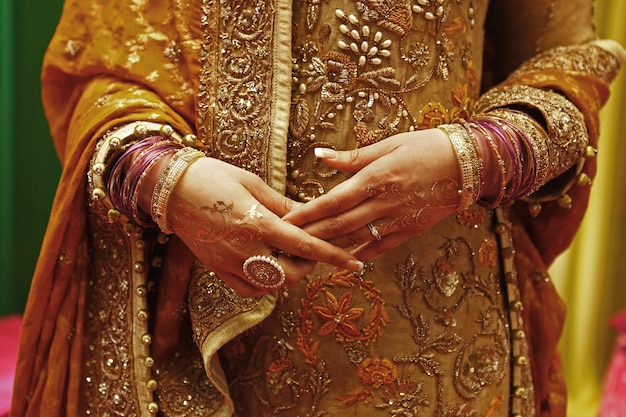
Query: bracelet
<point x="481" y="132"/>
<point x="168" y="179"/>
<point x="108" y="149"/>
<point x="470" y="163"/>
<point x="537" y="139"/>
<point x="139" y="216"/>
<point x="512" y="147"/>
<point x="529" y="170"/>
<point x="521" y="147"/>
<point x="123" y="184"/>
<point x="117" y="173"/>
<point x="560" y="140"/>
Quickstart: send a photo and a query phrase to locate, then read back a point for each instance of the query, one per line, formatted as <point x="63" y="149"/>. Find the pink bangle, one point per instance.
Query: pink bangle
<point x="483" y="134"/>
<point x="140" y="216"/>
<point x="123" y="184"/>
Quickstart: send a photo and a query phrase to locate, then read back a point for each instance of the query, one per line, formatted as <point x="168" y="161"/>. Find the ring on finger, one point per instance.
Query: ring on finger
<point x="264" y="271"/>
<point x="374" y="231"/>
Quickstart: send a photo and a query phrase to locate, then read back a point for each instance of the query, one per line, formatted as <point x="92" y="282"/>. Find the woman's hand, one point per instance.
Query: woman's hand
<point x="225" y="215"/>
<point x="402" y="186"/>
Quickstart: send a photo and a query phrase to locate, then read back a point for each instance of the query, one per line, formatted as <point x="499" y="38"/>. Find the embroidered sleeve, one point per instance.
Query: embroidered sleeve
<point x="563" y="89"/>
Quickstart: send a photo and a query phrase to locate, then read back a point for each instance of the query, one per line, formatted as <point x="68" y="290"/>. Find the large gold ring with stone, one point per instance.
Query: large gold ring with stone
<point x="264" y="271"/>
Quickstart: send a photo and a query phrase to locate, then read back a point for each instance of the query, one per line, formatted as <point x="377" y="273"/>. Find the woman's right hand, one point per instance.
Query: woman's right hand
<point x="225" y="215"/>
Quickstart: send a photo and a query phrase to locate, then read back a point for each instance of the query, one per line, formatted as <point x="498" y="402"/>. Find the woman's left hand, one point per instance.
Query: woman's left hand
<point x="401" y="186"/>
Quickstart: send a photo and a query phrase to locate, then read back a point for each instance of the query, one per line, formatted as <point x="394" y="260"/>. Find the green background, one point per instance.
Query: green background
<point x="29" y="169"/>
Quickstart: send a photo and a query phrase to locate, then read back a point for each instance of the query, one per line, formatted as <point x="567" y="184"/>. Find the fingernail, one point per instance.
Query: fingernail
<point x="325" y="153"/>
<point x="356" y="265"/>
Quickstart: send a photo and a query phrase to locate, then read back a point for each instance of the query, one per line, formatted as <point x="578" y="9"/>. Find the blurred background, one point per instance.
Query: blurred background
<point x="590" y="276"/>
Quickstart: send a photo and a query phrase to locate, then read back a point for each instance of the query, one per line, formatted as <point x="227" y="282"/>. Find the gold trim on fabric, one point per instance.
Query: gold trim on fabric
<point x="245" y="85"/>
<point x="282" y="95"/>
<point x="218" y="314"/>
<point x="231" y="328"/>
<point x="142" y="361"/>
<point x="588" y="59"/>
<point x="135" y="294"/>
<point x="522" y="399"/>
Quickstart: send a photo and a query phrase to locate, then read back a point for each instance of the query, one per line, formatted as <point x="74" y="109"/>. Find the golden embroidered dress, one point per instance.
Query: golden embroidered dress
<point x="460" y="321"/>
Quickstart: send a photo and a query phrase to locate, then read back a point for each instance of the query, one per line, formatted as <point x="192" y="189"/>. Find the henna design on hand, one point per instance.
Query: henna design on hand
<point x="442" y="194"/>
<point x="192" y="221"/>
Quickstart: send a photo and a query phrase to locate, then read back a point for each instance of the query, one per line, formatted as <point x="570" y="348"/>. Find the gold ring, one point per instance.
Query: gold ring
<point x="374" y="232"/>
<point x="264" y="271"/>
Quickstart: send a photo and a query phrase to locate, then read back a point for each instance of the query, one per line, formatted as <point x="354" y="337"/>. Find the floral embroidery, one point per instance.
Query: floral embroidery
<point x="357" y="76"/>
<point x="488" y="252"/>
<point x="432" y="115"/>
<point x="471" y="217"/>
<point x="446" y="277"/>
<point x="338" y="316"/>
<point x="417" y="55"/>
<point x="374" y="374"/>
<point x="377" y="372"/>
<point x="309" y="375"/>
<point x="349" y="68"/>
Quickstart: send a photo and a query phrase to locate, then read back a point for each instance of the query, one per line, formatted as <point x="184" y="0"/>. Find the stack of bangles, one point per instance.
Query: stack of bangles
<point x="133" y="165"/>
<point x="521" y="156"/>
<point x="129" y="168"/>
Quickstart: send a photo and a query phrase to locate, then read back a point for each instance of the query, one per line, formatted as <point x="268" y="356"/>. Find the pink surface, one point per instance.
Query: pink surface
<point x="614" y="396"/>
<point x="9" y="335"/>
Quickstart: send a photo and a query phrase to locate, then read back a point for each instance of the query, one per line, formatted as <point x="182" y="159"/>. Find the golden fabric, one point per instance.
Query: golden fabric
<point x="102" y="74"/>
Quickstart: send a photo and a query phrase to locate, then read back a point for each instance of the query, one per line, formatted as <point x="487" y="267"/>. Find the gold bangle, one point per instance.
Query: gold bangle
<point x="465" y="148"/>
<point x="108" y="148"/>
<point x="168" y="179"/>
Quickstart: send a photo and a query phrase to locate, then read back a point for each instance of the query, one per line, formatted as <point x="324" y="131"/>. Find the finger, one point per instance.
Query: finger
<point x="375" y="247"/>
<point x="351" y="222"/>
<point x="356" y="159"/>
<point x="278" y="234"/>
<point x="360" y="236"/>
<point x="343" y="197"/>
<point x="350" y="227"/>
<point x="295" y="268"/>
<point x="297" y="242"/>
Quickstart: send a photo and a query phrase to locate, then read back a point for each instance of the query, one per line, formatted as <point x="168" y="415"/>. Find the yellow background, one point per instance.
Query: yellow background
<point x="591" y="275"/>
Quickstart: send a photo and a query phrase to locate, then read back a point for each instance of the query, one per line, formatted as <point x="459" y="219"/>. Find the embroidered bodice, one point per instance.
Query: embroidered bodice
<point x="424" y="329"/>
